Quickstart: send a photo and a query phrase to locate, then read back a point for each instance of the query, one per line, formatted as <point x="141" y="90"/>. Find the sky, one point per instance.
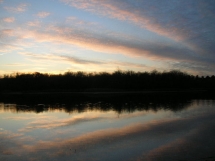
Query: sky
<point x="56" y="36"/>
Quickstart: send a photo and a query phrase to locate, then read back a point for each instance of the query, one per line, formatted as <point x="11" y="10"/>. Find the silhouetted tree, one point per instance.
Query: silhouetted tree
<point x="118" y="80"/>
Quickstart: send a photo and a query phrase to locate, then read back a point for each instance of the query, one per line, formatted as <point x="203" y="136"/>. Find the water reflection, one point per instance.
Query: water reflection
<point x="108" y="129"/>
<point x="118" y="104"/>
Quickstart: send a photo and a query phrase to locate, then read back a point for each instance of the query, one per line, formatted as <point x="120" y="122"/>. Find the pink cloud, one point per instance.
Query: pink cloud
<point x="7" y="32"/>
<point x="19" y="8"/>
<point x="76" y="60"/>
<point x="125" y="12"/>
<point x="114" y="10"/>
<point x="105" y="42"/>
<point x="34" y="23"/>
<point x="177" y="27"/>
<point x="119" y="44"/>
<point x="9" y="19"/>
<point x="108" y="45"/>
<point x="43" y="14"/>
<point x="87" y="41"/>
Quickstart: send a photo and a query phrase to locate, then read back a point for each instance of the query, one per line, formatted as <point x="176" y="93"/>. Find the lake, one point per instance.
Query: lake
<point x="107" y="128"/>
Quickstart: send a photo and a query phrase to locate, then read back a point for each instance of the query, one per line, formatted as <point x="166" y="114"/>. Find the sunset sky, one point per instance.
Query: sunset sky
<point x="55" y="36"/>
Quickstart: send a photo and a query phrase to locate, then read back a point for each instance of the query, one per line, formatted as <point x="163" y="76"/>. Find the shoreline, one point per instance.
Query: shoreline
<point x="115" y="92"/>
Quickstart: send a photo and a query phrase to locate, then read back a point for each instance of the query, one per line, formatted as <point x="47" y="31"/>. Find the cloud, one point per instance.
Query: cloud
<point x="112" y="63"/>
<point x="7" y="48"/>
<point x="124" y="11"/>
<point x="110" y="44"/>
<point x="195" y="68"/>
<point x="15" y="64"/>
<point x="20" y="8"/>
<point x="34" y="23"/>
<point x="1" y="1"/>
<point x="9" y="19"/>
<point x="189" y="33"/>
<point x="54" y="57"/>
<point x="194" y="27"/>
<point x="128" y="64"/>
<point x="40" y="56"/>
<point x="43" y="14"/>
<point x="152" y="15"/>
<point x="96" y="42"/>
<point x="6" y="33"/>
<point x="76" y="60"/>
<point x="80" y="61"/>
<point x="10" y="40"/>
<point x="75" y="21"/>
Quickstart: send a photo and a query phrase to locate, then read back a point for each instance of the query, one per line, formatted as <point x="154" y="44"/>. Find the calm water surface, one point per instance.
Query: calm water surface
<point x="106" y="131"/>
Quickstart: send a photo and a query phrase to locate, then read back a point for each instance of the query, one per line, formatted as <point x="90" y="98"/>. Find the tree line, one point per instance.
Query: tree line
<point x="103" y="81"/>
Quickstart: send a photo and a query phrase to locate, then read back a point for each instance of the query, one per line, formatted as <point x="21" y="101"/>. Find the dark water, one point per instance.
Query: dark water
<point x="160" y="127"/>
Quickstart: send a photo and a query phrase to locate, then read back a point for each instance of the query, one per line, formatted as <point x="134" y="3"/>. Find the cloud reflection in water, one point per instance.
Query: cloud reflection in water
<point x="97" y="135"/>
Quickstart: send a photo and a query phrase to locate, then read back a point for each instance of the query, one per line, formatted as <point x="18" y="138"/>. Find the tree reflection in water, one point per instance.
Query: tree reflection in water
<point x="120" y="103"/>
<point x="162" y="126"/>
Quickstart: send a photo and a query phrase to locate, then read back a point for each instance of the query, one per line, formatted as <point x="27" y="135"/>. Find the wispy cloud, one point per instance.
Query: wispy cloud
<point x="20" y="8"/>
<point x="127" y="64"/>
<point x="75" y="21"/>
<point x="54" y="57"/>
<point x="35" y="23"/>
<point x="15" y="64"/>
<point x="6" y="32"/>
<point x="113" y="43"/>
<point x="95" y="42"/>
<point x="9" y="19"/>
<point x="43" y="14"/>
<point x="195" y="68"/>
<point x="76" y="60"/>
<point x="6" y="48"/>
<point x="80" y="61"/>
<point x="188" y="27"/>
<point x="184" y="37"/>
<point x="10" y="40"/>
<point x="124" y="11"/>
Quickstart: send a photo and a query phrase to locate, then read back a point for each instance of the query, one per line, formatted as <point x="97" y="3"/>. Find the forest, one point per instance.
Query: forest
<point x="104" y="82"/>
